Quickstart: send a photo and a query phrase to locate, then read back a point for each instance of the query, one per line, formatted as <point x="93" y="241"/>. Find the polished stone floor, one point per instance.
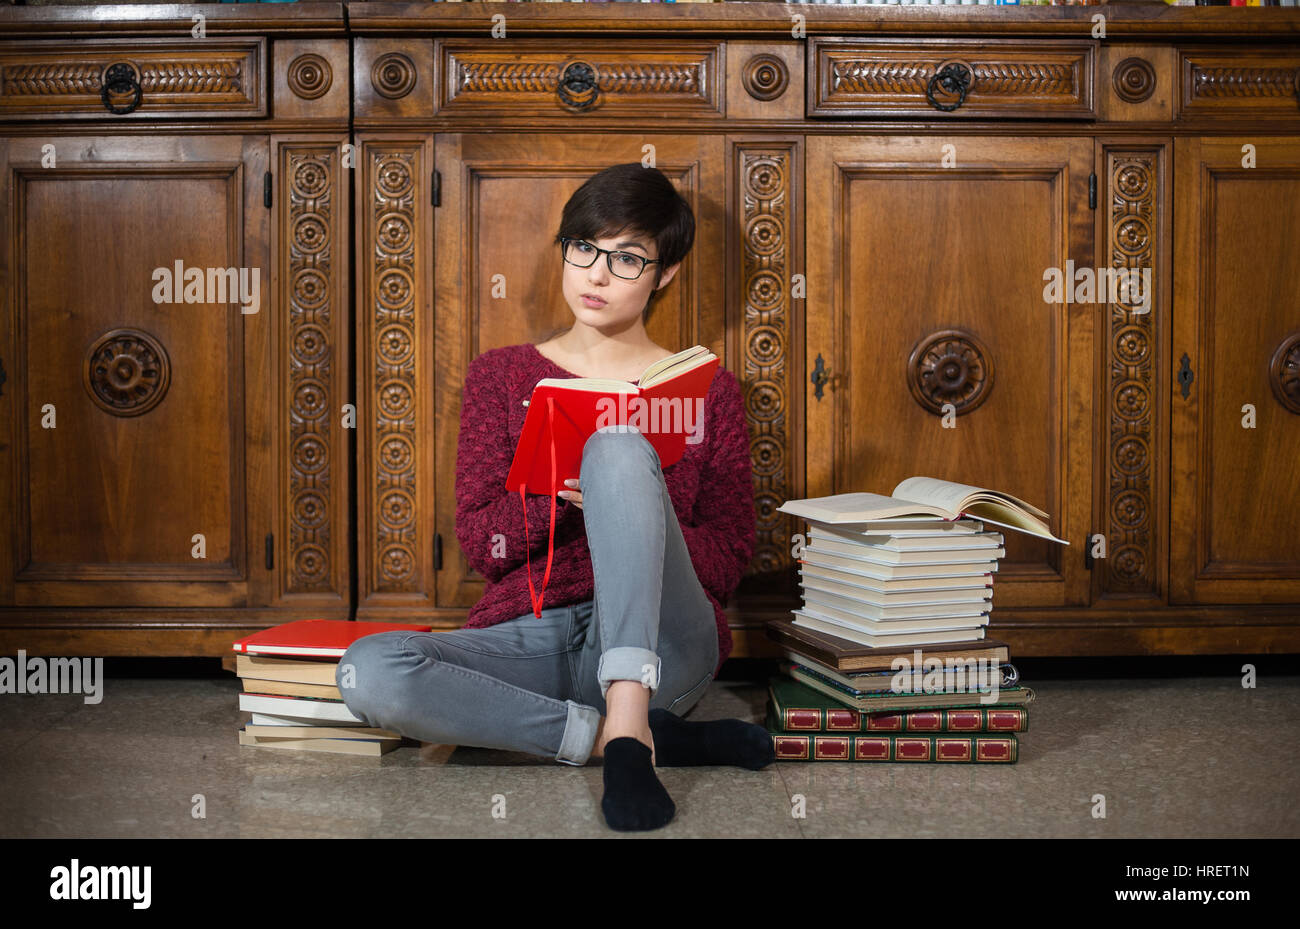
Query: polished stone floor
<point x="1173" y="754"/>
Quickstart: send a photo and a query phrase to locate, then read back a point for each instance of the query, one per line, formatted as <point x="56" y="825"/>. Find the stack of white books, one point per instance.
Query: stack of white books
<point x="914" y="568"/>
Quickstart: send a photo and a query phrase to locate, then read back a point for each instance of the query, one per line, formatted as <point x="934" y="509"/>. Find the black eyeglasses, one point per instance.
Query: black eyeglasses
<point x="582" y="254"/>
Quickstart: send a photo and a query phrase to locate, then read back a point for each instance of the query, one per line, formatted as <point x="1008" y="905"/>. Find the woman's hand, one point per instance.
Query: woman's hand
<point x="573" y="496"/>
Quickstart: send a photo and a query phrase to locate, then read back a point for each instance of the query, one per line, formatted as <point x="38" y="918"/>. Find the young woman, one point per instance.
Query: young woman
<point x="644" y="556"/>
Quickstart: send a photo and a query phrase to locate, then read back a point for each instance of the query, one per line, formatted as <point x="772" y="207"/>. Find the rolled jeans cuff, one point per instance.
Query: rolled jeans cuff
<point x="628" y="663"/>
<point x="579" y="734"/>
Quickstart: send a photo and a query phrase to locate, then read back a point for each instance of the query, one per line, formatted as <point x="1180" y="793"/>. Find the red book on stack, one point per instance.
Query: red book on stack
<point x="323" y="638"/>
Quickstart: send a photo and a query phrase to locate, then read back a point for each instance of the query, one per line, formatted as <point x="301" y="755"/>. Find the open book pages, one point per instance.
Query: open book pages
<point x="665" y="369"/>
<point x="956" y="497"/>
<point x="925" y="496"/>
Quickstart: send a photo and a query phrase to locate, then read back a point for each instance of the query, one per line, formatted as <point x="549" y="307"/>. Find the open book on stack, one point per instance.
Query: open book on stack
<point x="288" y="674"/>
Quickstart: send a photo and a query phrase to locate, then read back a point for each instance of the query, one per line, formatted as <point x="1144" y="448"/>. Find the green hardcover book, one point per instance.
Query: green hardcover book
<point x="913" y="749"/>
<point x="877" y="703"/>
<point x="800" y="709"/>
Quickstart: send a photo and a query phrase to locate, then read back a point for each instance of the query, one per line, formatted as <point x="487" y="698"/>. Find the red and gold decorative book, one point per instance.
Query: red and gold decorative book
<point x="937" y="749"/>
<point x="797" y="709"/>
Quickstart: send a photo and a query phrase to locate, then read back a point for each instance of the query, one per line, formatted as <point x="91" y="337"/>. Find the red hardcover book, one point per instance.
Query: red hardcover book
<point x="315" y="638"/>
<point x="667" y="408"/>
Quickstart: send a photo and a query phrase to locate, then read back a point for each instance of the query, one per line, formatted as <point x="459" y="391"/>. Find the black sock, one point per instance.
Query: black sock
<point x="634" y="799"/>
<point x="714" y="742"/>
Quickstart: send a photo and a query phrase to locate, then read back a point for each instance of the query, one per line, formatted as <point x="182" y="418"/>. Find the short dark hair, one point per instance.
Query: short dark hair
<point x="638" y="200"/>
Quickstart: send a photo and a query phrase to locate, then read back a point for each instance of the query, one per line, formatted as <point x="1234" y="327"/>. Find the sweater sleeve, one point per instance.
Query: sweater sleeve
<point x="724" y="530"/>
<point x="484" y="508"/>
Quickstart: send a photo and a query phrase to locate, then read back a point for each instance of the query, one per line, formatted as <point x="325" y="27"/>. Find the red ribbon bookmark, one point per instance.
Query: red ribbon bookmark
<point x="550" y="544"/>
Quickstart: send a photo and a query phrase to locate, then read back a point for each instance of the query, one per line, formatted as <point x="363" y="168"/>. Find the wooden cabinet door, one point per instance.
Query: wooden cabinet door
<point x="1235" y="392"/>
<point x="926" y="267"/>
<point x="498" y="273"/>
<point x="135" y="429"/>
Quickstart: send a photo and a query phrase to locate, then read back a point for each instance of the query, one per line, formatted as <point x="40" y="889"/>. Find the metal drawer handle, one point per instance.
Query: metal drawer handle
<point x="577" y="87"/>
<point x="120" y="79"/>
<point x="955" y="79"/>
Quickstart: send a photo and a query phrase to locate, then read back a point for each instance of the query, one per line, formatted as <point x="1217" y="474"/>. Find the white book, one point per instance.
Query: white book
<point x="975" y="582"/>
<point x="851" y="608"/>
<point x="884" y="557"/>
<point x="863" y="637"/>
<point x="926" y="495"/>
<point x="895" y="572"/>
<point x="909" y="526"/>
<point x="263" y="730"/>
<point x="295" y="708"/>
<point x="980" y="595"/>
<point x="894" y="543"/>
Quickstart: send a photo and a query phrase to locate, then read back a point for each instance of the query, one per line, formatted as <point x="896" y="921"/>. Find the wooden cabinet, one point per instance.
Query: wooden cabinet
<point x="880" y="205"/>
<point x="174" y="336"/>
<point x="927" y="312"/>
<point x="1235" y="409"/>
<point x="140" y="411"/>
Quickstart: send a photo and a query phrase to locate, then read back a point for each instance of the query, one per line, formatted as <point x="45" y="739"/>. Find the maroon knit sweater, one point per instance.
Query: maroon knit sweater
<point x="711" y="488"/>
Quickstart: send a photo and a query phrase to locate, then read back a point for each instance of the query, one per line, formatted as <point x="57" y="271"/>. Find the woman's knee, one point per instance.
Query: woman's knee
<point x="610" y="452"/>
<point x="367" y="672"/>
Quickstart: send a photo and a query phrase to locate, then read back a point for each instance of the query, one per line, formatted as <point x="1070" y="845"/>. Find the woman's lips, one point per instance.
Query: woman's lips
<point x="592" y="302"/>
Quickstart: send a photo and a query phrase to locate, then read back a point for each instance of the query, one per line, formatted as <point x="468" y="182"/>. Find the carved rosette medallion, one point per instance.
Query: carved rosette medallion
<point x="393" y="75"/>
<point x="310" y="76"/>
<point x="765" y="77"/>
<point x="1284" y="372"/>
<point x="950" y="366"/>
<point x="1135" y="80"/>
<point x="127" y="372"/>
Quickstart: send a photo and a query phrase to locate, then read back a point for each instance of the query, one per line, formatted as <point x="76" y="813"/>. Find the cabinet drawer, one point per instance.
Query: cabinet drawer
<point x="132" y="79"/>
<point x="899" y="77"/>
<point x="651" y="78"/>
<point x="1239" y="82"/>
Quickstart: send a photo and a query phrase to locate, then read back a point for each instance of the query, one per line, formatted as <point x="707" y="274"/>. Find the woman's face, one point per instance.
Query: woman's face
<point x="618" y="302"/>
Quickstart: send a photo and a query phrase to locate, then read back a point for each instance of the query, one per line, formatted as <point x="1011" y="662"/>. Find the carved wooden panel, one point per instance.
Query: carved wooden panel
<point x="71" y="80"/>
<point x="1240" y="82"/>
<point x="767" y="196"/>
<point x="312" y="288"/>
<point x="892" y="77"/>
<point x="647" y="78"/>
<point x="1134" y="440"/>
<point x="394" y="379"/>
<point x="1235" y="489"/>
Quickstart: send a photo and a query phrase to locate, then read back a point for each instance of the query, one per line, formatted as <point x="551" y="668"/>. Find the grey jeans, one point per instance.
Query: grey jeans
<point x="538" y="684"/>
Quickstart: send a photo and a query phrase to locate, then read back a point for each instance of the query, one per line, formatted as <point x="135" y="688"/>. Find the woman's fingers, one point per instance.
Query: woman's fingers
<point x="573" y="496"/>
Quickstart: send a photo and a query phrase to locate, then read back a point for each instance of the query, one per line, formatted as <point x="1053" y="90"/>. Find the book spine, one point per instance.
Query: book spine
<point x="917" y="749"/>
<point x="793" y="720"/>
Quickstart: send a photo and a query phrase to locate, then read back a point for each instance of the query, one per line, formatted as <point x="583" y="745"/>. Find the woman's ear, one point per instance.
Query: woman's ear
<point x="667" y="276"/>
